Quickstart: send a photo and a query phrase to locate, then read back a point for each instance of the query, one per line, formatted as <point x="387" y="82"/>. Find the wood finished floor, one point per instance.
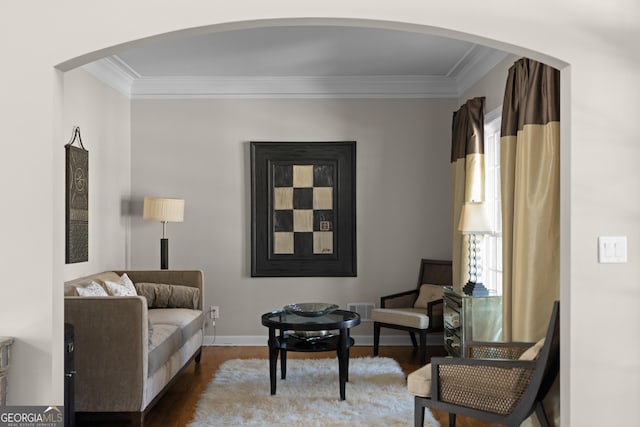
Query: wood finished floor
<point x="177" y="406"/>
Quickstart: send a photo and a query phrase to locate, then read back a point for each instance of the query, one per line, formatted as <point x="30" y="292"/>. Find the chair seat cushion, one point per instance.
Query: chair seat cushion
<point x="419" y="382"/>
<point x="410" y="317"/>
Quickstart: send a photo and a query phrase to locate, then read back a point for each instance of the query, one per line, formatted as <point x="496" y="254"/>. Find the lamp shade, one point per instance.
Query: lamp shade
<point x="162" y="209"/>
<point x="474" y="219"/>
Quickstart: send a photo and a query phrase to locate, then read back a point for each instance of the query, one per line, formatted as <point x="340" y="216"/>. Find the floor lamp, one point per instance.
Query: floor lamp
<point x="163" y="210"/>
<point x="474" y="221"/>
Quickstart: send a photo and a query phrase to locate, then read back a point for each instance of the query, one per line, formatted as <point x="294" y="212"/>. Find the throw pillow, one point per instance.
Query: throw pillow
<point x="162" y="295"/>
<point x="427" y="294"/>
<point x="123" y="288"/>
<point x="533" y="352"/>
<point x="93" y="289"/>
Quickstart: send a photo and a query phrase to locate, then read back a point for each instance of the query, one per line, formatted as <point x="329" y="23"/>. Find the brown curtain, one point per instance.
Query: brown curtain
<point x="530" y="175"/>
<point x="467" y="170"/>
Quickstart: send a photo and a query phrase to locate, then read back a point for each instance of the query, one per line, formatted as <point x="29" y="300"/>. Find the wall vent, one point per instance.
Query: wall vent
<point x="362" y="308"/>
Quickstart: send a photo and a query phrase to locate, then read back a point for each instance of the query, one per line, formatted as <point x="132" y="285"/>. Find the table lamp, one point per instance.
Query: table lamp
<point x="163" y="210"/>
<point x="474" y="221"/>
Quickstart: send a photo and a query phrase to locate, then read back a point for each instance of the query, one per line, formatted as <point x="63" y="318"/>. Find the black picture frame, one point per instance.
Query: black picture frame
<point x="289" y="179"/>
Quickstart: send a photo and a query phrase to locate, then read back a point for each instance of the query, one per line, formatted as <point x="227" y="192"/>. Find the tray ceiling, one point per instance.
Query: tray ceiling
<point x="299" y="61"/>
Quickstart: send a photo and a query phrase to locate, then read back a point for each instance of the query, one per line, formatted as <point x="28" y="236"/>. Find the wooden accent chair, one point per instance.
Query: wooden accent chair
<point x="418" y="311"/>
<point x="498" y="382"/>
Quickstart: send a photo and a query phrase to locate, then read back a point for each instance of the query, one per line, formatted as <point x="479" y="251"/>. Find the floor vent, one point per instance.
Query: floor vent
<point x="362" y="308"/>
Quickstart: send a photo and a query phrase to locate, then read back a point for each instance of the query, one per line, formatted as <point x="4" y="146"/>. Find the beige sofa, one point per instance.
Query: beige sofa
<point x="128" y="349"/>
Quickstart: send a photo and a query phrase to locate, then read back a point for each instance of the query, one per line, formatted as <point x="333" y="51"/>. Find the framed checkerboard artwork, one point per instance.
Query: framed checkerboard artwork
<point x="303" y="209"/>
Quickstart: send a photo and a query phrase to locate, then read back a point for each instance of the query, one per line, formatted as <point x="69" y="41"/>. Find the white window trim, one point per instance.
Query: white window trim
<point x="493" y="242"/>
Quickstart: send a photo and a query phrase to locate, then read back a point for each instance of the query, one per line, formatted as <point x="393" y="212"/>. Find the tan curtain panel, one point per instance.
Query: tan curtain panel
<point x="530" y="174"/>
<point x="467" y="171"/>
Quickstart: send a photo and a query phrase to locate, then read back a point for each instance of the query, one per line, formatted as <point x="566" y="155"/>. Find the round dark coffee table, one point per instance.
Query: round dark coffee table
<point x="288" y="339"/>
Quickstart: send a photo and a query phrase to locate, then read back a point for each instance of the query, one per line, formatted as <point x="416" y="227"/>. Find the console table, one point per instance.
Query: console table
<point x="470" y="318"/>
<point x="5" y="344"/>
<point x="285" y="323"/>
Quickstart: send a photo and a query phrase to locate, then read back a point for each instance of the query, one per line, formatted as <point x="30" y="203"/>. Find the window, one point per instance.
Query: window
<point x="493" y="243"/>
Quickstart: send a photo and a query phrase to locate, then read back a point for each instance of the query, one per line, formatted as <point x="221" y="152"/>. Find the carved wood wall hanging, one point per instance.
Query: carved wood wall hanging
<point x="76" y="200"/>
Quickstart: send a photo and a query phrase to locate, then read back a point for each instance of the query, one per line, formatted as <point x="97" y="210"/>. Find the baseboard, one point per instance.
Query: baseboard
<point x="258" y="340"/>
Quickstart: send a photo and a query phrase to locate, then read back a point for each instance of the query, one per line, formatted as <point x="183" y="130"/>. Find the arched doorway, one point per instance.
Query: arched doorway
<point x="71" y="63"/>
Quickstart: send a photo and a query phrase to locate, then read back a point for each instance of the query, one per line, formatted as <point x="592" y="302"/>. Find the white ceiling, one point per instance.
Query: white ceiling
<point x="299" y="61"/>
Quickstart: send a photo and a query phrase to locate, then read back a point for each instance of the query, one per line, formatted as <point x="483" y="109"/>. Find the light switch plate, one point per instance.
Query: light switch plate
<point x="612" y="249"/>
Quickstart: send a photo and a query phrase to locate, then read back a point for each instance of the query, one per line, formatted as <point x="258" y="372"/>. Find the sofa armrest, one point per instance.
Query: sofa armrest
<point x="191" y="278"/>
<point x="110" y="352"/>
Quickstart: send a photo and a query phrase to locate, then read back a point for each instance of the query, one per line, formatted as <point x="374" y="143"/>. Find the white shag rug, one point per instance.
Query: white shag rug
<point x="376" y="395"/>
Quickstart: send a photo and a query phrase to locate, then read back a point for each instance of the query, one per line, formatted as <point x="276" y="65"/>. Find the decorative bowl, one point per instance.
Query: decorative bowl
<point x="311" y="336"/>
<point x="310" y="309"/>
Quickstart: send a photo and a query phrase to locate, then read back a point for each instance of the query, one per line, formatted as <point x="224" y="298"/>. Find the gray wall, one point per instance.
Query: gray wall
<point x="103" y="116"/>
<point x="198" y="150"/>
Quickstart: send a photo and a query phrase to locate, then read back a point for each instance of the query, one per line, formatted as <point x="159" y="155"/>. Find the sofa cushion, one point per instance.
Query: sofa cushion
<point x="166" y="339"/>
<point x="149" y="331"/>
<point x="172" y="328"/>
<point x="161" y="295"/>
<point x="189" y="321"/>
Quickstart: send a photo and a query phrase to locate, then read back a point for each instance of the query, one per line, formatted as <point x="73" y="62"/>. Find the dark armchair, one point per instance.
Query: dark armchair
<point x="498" y="382"/>
<point x="417" y="311"/>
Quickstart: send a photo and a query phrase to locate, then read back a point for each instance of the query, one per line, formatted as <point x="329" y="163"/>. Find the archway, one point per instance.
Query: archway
<point x="74" y="62"/>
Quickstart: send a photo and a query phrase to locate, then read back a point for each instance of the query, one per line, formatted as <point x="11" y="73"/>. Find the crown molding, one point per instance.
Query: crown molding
<point x="295" y="87"/>
<point x="113" y="72"/>
<point x="473" y="66"/>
